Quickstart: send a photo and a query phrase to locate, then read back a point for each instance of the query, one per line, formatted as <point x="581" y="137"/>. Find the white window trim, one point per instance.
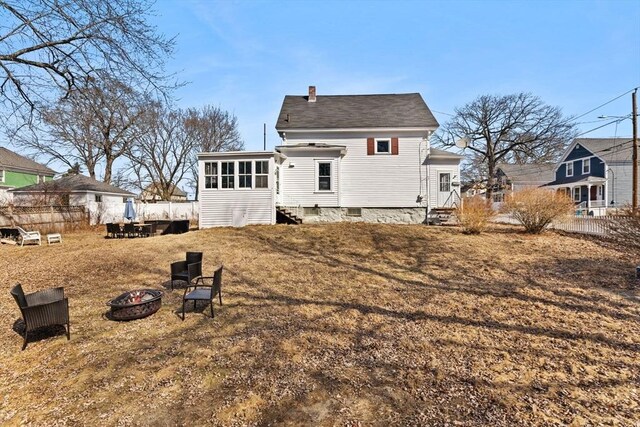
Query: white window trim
<point x="256" y="174"/>
<point x="234" y="175"/>
<point x="217" y="175"/>
<point x="376" y="146"/>
<point x="2" y="175"/>
<point x="450" y="181"/>
<point x="567" y="168"/>
<point x="587" y="163"/>
<point x="237" y="166"/>
<point x="577" y="191"/>
<point x="317" y="177"/>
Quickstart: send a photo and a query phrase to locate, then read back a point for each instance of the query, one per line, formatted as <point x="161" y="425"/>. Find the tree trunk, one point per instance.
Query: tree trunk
<point x="491" y="178"/>
<point x="107" y="170"/>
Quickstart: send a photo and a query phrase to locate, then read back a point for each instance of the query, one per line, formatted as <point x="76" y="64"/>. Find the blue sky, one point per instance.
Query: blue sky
<point x="245" y="56"/>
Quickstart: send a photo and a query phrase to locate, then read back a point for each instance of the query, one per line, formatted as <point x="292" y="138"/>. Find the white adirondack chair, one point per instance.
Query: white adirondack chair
<point x="28" y="236"/>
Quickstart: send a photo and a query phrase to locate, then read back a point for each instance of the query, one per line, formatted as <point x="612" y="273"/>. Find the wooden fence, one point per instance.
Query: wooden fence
<point x="44" y="218"/>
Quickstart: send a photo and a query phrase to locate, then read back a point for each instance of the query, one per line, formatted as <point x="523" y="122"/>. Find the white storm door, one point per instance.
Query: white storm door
<point x="444" y="188"/>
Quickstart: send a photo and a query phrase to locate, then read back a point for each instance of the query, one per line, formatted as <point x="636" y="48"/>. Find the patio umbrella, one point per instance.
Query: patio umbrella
<point x="129" y="211"/>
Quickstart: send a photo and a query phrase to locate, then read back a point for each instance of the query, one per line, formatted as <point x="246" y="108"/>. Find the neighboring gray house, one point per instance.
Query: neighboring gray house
<point x="513" y="177"/>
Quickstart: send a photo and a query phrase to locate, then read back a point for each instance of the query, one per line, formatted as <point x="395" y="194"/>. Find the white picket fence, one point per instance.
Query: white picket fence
<point x="594" y="225"/>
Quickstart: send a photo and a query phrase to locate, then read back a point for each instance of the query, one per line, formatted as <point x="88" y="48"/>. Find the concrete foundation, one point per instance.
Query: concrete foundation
<point x="376" y="215"/>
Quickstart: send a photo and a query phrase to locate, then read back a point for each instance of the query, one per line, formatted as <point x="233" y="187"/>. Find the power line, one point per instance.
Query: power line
<point x="606" y="103"/>
<point x="442" y="112"/>
<point x="601" y="126"/>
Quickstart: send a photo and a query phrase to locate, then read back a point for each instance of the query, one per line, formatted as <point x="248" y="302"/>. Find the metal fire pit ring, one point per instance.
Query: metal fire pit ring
<point x="135" y="304"/>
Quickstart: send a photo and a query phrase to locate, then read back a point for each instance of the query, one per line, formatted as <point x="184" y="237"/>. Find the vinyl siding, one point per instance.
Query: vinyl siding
<point x="369" y="181"/>
<point x="217" y="206"/>
<point x="622" y="184"/>
<point x="434" y="167"/>
<point x="298" y="182"/>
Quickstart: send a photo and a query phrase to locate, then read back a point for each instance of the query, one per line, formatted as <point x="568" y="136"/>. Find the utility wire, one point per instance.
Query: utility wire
<point x="606" y="103"/>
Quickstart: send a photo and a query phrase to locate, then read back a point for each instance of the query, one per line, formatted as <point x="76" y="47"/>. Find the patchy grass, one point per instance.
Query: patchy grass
<point x="332" y="325"/>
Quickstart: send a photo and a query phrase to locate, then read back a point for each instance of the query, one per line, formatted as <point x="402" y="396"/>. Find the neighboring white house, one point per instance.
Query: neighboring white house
<point x="342" y="158"/>
<point x="97" y="197"/>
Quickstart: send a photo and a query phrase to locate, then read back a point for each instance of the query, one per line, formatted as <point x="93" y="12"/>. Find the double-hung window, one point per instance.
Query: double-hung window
<point x="324" y="176"/>
<point x="244" y="174"/>
<point x="576" y="194"/>
<point x="570" y="169"/>
<point x="211" y="175"/>
<point x="227" y="174"/>
<point x="262" y="174"/>
<point x="98" y="198"/>
<point x="586" y="166"/>
<point x="1" y="175"/>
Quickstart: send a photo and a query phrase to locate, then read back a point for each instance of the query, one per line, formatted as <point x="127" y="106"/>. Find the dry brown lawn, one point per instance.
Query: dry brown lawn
<point x="346" y="324"/>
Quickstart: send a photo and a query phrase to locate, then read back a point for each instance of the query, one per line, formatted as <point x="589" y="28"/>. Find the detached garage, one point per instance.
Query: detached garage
<point x="237" y="188"/>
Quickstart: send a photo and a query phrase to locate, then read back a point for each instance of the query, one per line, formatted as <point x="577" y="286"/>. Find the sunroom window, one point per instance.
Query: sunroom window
<point x="262" y="174"/>
<point x="244" y="174"/>
<point x="227" y="174"/>
<point x="211" y="175"/>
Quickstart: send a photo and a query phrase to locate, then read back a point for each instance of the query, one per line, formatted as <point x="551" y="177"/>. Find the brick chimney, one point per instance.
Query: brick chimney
<point x="312" y="94"/>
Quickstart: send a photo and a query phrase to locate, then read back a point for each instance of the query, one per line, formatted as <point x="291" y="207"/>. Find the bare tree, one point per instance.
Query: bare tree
<point x="212" y="130"/>
<point x="517" y="128"/>
<point x="48" y="47"/>
<point x="91" y="127"/>
<point x="160" y="156"/>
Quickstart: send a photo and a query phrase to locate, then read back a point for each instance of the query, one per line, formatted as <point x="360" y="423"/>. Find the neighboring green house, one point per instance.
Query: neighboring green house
<point x="18" y="171"/>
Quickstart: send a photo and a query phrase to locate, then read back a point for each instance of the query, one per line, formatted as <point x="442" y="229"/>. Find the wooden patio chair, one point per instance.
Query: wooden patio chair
<point x="199" y="290"/>
<point x="28" y="236"/>
<point x="43" y="308"/>
<point x="179" y="269"/>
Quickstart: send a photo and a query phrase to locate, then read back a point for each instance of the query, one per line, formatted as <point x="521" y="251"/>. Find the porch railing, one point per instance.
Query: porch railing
<point x="453" y="201"/>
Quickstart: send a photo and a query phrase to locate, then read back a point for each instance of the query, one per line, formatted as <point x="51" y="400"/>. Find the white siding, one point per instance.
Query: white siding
<point x="377" y="181"/>
<point x="298" y="182"/>
<point x="434" y="167"/>
<point x="217" y="206"/>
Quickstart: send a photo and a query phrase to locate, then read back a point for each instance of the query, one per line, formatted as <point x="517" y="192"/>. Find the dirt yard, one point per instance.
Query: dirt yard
<point x="328" y="325"/>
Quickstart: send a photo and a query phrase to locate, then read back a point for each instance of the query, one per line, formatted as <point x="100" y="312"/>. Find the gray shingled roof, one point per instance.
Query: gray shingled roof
<point x="14" y="161"/>
<point x="530" y="174"/>
<point x="437" y="153"/>
<point x="355" y="111"/>
<point x="609" y="149"/>
<point x="73" y="183"/>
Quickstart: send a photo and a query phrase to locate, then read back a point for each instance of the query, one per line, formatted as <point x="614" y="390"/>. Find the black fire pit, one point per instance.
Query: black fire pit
<point x="135" y="304"/>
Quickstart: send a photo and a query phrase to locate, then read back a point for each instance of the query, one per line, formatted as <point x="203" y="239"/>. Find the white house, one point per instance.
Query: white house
<point x="342" y="158"/>
<point x="99" y="198"/>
